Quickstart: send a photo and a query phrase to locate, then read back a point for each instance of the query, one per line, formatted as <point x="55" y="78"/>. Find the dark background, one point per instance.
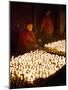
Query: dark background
<point x="19" y="11"/>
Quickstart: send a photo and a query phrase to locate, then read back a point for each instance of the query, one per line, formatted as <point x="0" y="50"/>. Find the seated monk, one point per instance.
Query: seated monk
<point x="27" y="38"/>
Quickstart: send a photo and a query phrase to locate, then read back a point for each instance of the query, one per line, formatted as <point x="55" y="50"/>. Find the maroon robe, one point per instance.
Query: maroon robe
<point x="47" y="25"/>
<point x="27" y="41"/>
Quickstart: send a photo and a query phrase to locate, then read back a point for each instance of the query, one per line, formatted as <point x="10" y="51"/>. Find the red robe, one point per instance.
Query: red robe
<point x="47" y="25"/>
<point x="27" y="41"/>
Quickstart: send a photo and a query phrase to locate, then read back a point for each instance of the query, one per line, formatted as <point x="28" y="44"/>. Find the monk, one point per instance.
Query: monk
<point x="47" y="28"/>
<point x="27" y="38"/>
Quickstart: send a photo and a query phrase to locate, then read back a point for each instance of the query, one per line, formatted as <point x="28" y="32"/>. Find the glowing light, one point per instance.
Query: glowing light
<point x="56" y="47"/>
<point x="35" y="65"/>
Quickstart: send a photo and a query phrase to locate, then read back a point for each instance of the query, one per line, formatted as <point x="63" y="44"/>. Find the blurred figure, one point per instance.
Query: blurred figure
<point x="27" y="38"/>
<point x="47" y="28"/>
